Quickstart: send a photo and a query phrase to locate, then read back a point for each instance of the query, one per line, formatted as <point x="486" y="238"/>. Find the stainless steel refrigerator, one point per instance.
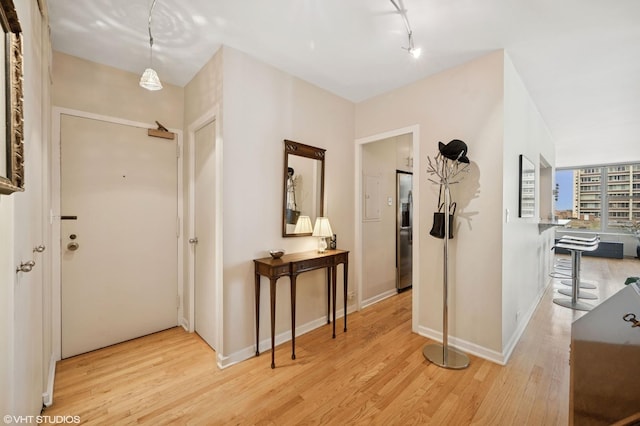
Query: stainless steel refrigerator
<point x="404" y="230"/>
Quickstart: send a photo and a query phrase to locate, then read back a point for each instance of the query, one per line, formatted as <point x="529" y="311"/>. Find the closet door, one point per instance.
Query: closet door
<point x="205" y="216"/>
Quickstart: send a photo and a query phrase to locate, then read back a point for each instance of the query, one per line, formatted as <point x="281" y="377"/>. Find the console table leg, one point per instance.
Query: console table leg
<point x="328" y="295"/>
<point x="257" y="292"/>
<point x="333" y="287"/>
<point x="293" y="317"/>
<point x="345" y="269"/>
<point x="273" y="322"/>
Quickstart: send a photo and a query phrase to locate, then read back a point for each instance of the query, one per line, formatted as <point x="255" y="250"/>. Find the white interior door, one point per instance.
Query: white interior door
<point x="205" y="215"/>
<point x="121" y="281"/>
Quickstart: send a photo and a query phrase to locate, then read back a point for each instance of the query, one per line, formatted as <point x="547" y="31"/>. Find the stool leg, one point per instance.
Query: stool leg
<point x="574" y="303"/>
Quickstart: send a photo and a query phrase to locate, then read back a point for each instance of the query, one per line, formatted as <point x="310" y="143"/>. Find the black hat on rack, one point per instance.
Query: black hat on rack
<point x="454" y="150"/>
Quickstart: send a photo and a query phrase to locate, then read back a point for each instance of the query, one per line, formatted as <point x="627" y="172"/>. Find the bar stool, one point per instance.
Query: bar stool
<point x="576" y="255"/>
<point x="586" y="284"/>
<point x="592" y="241"/>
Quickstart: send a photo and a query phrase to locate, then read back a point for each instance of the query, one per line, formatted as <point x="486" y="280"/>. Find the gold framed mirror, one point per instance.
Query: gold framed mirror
<point x="12" y="122"/>
<point x="303" y="188"/>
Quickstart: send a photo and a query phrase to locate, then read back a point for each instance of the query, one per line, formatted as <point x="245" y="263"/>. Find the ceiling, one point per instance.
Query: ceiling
<point x="580" y="59"/>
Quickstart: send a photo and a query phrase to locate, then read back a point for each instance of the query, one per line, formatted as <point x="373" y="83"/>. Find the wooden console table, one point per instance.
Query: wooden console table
<point x="292" y="265"/>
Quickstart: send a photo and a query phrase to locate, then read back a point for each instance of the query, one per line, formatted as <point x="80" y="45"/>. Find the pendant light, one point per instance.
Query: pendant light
<point x="149" y="79"/>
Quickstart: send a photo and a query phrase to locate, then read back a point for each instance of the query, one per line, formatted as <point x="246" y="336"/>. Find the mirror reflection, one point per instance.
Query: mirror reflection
<point x="303" y="188"/>
<point x="527" y="197"/>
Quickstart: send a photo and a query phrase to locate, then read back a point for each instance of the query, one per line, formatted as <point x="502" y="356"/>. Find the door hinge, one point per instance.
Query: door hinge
<point x="177" y="226"/>
<point x="178" y="301"/>
<point x="177" y="151"/>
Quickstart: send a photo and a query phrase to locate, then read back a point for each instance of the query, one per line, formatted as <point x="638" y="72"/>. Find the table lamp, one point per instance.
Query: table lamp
<point x="322" y="230"/>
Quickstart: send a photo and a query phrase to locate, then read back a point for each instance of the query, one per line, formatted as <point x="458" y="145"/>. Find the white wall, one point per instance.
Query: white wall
<point x="117" y="94"/>
<point x="523" y="280"/>
<point x="579" y="155"/>
<point x="22" y="215"/>
<point x="262" y="107"/>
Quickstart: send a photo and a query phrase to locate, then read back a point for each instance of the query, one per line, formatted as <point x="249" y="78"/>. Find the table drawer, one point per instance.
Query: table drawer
<point x="272" y="270"/>
<point x="280" y="270"/>
<point x="310" y="264"/>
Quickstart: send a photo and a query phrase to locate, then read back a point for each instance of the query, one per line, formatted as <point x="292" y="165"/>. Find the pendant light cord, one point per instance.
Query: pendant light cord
<point x="151" y="36"/>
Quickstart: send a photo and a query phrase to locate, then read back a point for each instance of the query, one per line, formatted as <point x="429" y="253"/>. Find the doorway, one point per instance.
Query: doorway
<point x="404" y="230"/>
<point x="376" y="191"/>
<point x="118" y="233"/>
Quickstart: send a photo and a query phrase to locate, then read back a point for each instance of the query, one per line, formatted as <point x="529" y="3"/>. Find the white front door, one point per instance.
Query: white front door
<point x="118" y="234"/>
<point x="205" y="215"/>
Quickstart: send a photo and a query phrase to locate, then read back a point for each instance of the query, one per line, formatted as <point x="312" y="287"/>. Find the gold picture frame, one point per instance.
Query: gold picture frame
<point x="11" y="110"/>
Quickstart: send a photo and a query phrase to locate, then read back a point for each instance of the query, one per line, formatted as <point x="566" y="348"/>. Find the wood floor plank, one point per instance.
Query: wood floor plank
<point x="373" y="374"/>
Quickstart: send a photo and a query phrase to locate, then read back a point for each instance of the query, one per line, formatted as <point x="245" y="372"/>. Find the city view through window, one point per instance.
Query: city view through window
<point x="600" y="198"/>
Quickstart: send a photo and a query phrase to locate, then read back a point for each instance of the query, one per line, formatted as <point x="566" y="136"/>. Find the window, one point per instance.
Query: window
<point x="588" y="204"/>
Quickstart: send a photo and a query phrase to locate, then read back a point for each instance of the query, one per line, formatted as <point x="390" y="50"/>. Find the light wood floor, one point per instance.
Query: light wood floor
<point x="373" y="374"/>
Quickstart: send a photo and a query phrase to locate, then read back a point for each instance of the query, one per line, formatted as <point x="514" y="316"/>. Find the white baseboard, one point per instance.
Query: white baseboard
<point x="184" y="324"/>
<point x="463" y="345"/>
<point x="489" y="354"/>
<point x="379" y="298"/>
<point x="47" y="396"/>
<point x="265" y="344"/>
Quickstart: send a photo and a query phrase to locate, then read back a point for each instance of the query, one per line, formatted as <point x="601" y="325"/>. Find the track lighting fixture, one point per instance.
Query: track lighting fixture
<point x="413" y="51"/>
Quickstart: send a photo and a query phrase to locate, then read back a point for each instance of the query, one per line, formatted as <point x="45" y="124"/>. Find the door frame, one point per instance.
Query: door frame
<point x="359" y="190"/>
<point x="54" y="214"/>
<point x="208" y="117"/>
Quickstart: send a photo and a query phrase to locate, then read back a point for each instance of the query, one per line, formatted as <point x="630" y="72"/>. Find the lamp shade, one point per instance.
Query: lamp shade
<point x="150" y="80"/>
<point x="322" y="228"/>
<point x="303" y="225"/>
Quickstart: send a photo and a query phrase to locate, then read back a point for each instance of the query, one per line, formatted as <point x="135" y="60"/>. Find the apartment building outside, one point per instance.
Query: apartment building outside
<point x="606" y="197"/>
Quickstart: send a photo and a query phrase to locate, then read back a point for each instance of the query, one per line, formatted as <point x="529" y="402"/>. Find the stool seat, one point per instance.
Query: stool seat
<point x="583" y="239"/>
<point x="575" y="246"/>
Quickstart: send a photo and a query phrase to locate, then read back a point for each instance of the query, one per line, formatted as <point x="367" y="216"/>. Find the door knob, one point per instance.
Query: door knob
<point x="25" y="266"/>
<point x="73" y="246"/>
<point x="193" y="240"/>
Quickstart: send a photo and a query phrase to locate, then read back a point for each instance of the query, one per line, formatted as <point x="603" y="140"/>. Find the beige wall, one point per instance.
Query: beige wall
<point x="204" y="91"/>
<point x="497" y="269"/>
<point x="262" y="107"/>
<point x="90" y="87"/>
<point x="462" y="103"/>
<point x="202" y="96"/>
